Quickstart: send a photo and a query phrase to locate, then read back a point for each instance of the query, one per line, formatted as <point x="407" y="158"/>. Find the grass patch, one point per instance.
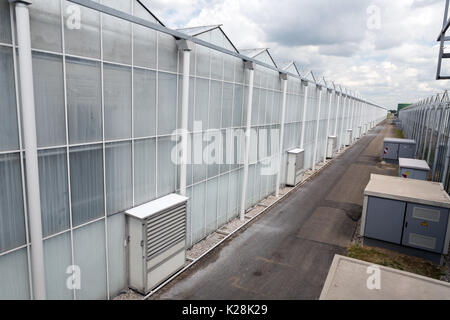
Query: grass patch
<point x="399" y="134"/>
<point x="396" y="260"/>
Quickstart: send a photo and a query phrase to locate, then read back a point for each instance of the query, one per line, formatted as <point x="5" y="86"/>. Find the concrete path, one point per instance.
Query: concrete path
<point x="286" y="254"/>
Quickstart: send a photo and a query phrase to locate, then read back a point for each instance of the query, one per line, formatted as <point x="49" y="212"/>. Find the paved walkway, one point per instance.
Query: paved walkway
<point x="286" y="254"/>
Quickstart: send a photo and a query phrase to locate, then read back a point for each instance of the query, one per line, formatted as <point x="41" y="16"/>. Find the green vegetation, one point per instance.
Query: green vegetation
<point x="399" y="134"/>
<point x="396" y="260"/>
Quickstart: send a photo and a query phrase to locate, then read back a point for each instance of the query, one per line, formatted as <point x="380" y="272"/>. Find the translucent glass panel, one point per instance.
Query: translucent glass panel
<point x="14" y="276"/>
<point x="117" y="34"/>
<point x="211" y="205"/>
<point x="57" y="259"/>
<point x="116" y="255"/>
<point x="53" y="184"/>
<point x="84" y="100"/>
<point x="144" y="42"/>
<point x="215" y="105"/>
<point x="198" y="212"/>
<point x="145" y="102"/>
<point x="166" y="167"/>
<point x="9" y="135"/>
<point x="12" y="219"/>
<point x="167" y="53"/>
<point x="86" y="181"/>
<point x="117" y="86"/>
<point x="49" y="99"/>
<point x="167" y="103"/>
<point x="222" y="205"/>
<point x="81" y="30"/>
<point x="90" y="256"/>
<point x="145" y="171"/>
<point x="201" y="102"/>
<point x="227" y="105"/>
<point x="238" y="105"/>
<point x="45" y="25"/>
<point x="118" y="177"/>
<point x="5" y="22"/>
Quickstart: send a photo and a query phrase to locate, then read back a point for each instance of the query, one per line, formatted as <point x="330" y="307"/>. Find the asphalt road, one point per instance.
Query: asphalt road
<point x="286" y="254"/>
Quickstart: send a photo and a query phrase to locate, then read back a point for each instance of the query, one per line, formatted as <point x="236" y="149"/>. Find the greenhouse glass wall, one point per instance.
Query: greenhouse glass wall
<point x="427" y="122"/>
<point x="108" y="101"/>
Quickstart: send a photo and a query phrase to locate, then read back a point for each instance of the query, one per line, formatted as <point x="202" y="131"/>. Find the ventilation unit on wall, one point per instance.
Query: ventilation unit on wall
<point x="157" y="241"/>
<point x="295" y="167"/>
<point x="349" y="137"/>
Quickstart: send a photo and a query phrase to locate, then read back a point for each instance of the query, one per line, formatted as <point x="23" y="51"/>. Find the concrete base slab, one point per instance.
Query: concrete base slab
<point x="348" y="280"/>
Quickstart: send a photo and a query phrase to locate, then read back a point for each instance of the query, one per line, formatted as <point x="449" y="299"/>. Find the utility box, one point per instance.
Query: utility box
<point x="413" y="169"/>
<point x="295" y="167"/>
<point x="358" y="132"/>
<point x="407" y="212"/>
<point x="394" y="148"/>
<point x="331" y="146"/>
<point x="349" y="137"/>
<point x="157" y="241"/>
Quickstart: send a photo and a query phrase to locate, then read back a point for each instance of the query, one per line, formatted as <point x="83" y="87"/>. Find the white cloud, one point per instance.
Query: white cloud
<point x="392" y="64"/>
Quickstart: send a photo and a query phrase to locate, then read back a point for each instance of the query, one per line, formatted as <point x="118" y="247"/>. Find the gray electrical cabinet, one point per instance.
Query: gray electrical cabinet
<point x="407" y="212"/>
<point x="295" y="167"/>
<point x="413" y="169"/>
<point x="394" y="148"/>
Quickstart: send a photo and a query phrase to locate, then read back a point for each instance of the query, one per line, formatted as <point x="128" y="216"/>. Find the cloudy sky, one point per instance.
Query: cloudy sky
<point x="384" y="49"/>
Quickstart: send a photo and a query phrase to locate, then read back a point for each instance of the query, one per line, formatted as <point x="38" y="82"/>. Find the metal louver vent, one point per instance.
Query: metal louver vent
<point x="165" y="229"/>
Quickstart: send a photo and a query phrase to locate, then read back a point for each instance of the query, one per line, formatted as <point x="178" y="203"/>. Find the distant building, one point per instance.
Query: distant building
<point x="403" y="105"/>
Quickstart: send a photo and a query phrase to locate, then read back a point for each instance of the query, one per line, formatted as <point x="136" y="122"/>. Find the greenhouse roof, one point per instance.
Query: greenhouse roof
<point x="261" y="54"/>
<point x="201" y="30"/>
<point x="146" y="5"/>
<point x="289" y="66"/>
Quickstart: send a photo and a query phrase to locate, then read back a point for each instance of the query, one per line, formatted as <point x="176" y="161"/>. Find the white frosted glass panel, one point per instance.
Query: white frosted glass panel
<point x="167" y="52"/>
<point x="211" y="205"/>
<point x="116" y="255"/>
<point x="84" y="100"/>
<point x="90" y="256"/>
<point x="144" y="103"/>
<point x="9" y="135"/>
<point x="227" y="105"/>
<point x="234" y="194"/>
<point x="222" y="207"/>
<point x="215" y="105"/>
<point x="12" y="221"/>
<point x="145" y="171"/>
<point x="117" y="34"/>
<point x="238" y="105"/>
<point x="117" y="86"/>
<point x="228" y="68"/>
<point x="203" y="57"/>
<point x="166" y="167"/>
<point x="57" y="258"/>
<point x="86" y="181"/>
<point x="54" y="191"/>
<point x="14" y="276"/>
<point x="45" y="25"/>
<point x="198" y="212"/>
<point x="144" y="39"/>
<point x="49" y="99"/>
<point x="167" y="103"/>
<point x="202" y="102"/>
<point x="81" y="39"/>
<point x="5" y="22"/>
<point x="118" y="177"/>
<point x="199" y="168"/>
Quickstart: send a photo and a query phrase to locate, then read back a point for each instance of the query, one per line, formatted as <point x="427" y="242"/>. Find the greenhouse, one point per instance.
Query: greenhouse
<point x="98" y="101"/>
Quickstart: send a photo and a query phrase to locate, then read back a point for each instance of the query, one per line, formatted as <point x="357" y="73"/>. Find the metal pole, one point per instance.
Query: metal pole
<point x="250" y="66"/>
<point x="30" y="139"/>
<point x="438" y="141"/>
<point x="283" y="78"/>
<point x="344" y="100"/>
<point x="305" y="106"/>
<point x="434" y="124"/>
<point x="316" y="141"/>
<point x="447" y="159"/>
<point x="185" y="47"/>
